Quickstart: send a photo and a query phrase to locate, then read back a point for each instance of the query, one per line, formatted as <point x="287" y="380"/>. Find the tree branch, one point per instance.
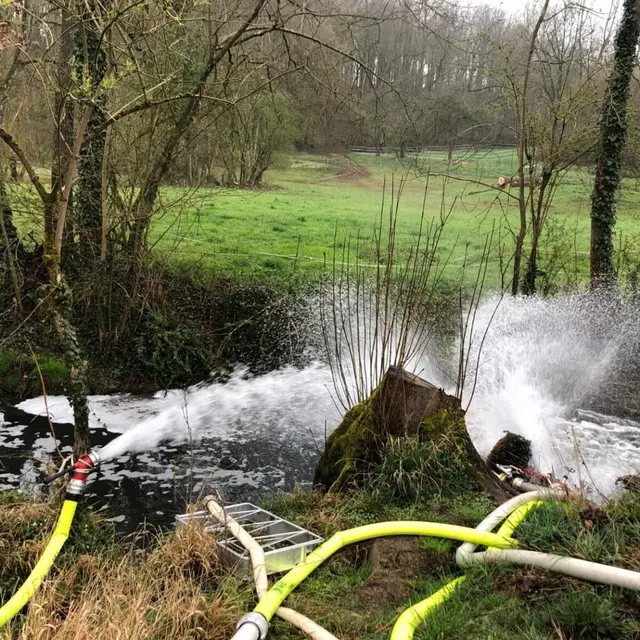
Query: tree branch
<point x="33" y="176"/>
<point x="71" y="174"/>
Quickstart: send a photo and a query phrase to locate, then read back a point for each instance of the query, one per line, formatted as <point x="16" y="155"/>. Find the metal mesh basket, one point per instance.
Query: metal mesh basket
<point x="285" y="544"/>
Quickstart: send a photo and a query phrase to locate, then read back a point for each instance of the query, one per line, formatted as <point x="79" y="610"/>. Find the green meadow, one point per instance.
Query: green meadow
<point x="313" y="209"/>
<point x="314" y="205"/>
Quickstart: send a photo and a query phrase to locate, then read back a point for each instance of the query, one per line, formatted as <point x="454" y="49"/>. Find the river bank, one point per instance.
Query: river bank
<point x="105" y="587"/>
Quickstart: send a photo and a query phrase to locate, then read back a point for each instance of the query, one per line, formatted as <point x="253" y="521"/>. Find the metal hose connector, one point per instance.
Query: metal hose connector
<point x="252" y="626"/>
<point x="81" y="470"/>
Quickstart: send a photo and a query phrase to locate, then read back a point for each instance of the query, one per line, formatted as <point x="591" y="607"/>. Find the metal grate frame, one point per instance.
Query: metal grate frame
<point x="285" y="544"/>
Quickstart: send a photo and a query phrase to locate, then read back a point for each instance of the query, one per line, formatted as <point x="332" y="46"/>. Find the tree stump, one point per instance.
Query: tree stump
<point x="511" y="450"/>
<point x="403" y="405"/>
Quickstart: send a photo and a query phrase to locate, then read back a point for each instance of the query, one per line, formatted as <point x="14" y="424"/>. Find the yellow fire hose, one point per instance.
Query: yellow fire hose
<point x="277" y="594"/>
<point x="31" y="584"/>
<point x="409" y="620"/>
<point x="75" y="488"/>
<point x="254" y="625"/>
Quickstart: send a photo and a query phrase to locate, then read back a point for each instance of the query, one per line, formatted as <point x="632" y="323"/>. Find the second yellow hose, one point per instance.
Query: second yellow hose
<point x="410" y="618"/>
<point x="37" y="575"/>
<point x="281" y="589"/>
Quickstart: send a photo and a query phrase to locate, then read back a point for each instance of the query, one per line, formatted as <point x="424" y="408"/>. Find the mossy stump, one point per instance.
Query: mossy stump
<point x="403" y="405"/>
<point x="511" y="450"/>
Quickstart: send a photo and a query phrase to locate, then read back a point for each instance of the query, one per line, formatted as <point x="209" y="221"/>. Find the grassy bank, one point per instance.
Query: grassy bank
<point x="21" y="375"/>
<point x="103" y="588"/>
<point x="311" y="199"/>
<point x="289" y="226"/>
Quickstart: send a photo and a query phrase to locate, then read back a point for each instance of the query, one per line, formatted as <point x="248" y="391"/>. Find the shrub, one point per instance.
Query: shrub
<point x="170" y="356"/>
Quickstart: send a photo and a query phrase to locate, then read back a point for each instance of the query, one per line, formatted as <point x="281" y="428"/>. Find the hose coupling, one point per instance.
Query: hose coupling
<point x="257" y="620"/>
<point x="81" y="470"/>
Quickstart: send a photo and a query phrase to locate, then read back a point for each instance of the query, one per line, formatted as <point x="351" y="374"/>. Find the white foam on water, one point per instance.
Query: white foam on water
<point x="115" y="412"/>
<point x="540" y="359"/>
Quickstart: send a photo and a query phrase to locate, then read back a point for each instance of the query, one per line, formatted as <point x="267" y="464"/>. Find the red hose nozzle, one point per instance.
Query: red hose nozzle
<point x="81" y="470"/>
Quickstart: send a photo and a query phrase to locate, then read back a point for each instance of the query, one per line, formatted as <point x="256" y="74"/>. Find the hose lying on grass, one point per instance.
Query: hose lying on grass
<point x="74" y="490"/>
<point x="254" y="626"/>
<point x="44" y="564"/>
<point x="514" y="510"/>
<point x="574" y="567"/>
<point x="259" y="565"/>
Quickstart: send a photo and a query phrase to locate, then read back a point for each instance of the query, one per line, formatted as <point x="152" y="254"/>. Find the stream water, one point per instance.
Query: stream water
<point x="540" y="364"/>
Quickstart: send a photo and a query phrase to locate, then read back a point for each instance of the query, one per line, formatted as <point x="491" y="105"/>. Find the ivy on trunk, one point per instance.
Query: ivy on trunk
<point x="91" y="68"/>
<point x="613" y="134"/>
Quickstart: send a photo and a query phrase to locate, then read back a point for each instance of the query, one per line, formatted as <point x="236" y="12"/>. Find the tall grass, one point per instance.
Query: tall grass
<point x="100" y="589"/>
<point x="413" y="470"/>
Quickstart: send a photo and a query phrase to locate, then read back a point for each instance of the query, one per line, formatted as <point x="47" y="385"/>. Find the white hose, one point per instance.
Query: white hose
<point x="582" y="569"/>
<point x="258" y="562"/>
<point x="497" y="516"/>
<point x="256" y="553"/>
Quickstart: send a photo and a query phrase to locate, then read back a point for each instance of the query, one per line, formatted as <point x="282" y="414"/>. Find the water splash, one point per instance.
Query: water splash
<point x="541" y="360"/>
<point x="289" y="395"/>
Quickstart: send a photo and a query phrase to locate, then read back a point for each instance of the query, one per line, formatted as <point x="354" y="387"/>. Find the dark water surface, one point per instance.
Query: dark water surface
<point x="265" y="446"/>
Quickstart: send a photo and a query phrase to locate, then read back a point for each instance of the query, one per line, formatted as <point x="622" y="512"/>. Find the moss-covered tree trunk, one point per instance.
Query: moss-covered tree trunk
<point x="91" y="68"/>
<point x="77" y="367"/>
<point x="12" y="247"/>
<point x="403" y="405"/>
<point x="613" y="133"/>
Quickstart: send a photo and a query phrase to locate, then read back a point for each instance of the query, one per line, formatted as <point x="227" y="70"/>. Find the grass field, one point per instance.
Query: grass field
<point x="310" y="200"/>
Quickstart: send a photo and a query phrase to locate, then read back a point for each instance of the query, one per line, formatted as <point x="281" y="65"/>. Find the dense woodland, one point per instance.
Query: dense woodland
<point x="103" y="103"/>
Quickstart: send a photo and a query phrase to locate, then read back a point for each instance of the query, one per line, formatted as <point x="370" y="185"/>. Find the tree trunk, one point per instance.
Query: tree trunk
<point x="51" y="257"/>
<point x="522" y="152"/>
<point x="613" y="133"/>
<point x="517" y="256"/>
<point x="91" y="67"/>
<point x="529" y="282"/>
<point x="403" y="405"/>
<point x="77" y="394"/>
<point x="63" y="133"/>
<point x="11" y="243"/>
<point x="13" y="166"/>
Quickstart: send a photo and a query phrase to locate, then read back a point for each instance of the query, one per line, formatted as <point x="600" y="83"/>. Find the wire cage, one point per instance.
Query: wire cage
<point x="285" y="544"/>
